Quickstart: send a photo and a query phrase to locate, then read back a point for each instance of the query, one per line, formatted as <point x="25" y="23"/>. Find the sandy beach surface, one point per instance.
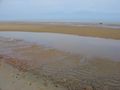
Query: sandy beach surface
<point x="28" y="66"/>
<point x="13" y="79"/>
<point x="94" y="30"/>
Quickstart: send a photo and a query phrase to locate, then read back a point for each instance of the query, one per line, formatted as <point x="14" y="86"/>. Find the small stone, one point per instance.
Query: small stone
<point x="56" y="85"/>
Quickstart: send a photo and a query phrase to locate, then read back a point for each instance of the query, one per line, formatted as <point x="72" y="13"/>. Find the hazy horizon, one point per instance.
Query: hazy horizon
<point x="63" y="10"/>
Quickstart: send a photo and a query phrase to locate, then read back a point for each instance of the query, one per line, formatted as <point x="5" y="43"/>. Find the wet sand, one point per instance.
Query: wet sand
<point x="13" y="79"/>
<point x="51" y="68"/>
<point x="15" y="67"/>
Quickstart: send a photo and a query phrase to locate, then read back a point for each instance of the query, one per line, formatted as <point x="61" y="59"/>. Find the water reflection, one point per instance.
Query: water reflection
<point x="87" y="46"/>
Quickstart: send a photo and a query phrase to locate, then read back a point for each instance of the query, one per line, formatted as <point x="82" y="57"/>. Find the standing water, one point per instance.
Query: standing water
<point x="87" y="46"/>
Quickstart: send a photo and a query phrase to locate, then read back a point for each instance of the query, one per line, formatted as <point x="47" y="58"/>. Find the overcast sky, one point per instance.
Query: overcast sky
<point x="75" y="10"/>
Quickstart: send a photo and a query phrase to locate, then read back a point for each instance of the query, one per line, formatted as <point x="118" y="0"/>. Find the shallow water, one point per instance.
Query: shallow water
<point x="87" y="46"/>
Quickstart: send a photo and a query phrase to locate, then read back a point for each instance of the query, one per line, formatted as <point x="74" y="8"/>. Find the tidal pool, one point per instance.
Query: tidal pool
<point x="87" y="46"/>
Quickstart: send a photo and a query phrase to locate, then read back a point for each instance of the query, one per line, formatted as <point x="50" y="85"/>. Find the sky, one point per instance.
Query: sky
<point x="60" y="10"/>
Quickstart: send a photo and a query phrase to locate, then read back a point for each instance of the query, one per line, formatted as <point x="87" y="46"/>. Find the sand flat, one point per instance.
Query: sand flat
<point x="82" y="30"/>
<point x="31" y="66"/>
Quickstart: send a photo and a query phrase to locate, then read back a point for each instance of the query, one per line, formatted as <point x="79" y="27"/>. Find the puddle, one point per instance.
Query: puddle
<point x="87" y="46"/>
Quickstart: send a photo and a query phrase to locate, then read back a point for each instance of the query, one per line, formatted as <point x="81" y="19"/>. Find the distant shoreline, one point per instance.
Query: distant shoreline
<point x="97" y="24"/>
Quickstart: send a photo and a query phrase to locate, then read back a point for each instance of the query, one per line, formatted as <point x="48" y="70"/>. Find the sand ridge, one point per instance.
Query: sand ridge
<point x="82" y="30"/>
